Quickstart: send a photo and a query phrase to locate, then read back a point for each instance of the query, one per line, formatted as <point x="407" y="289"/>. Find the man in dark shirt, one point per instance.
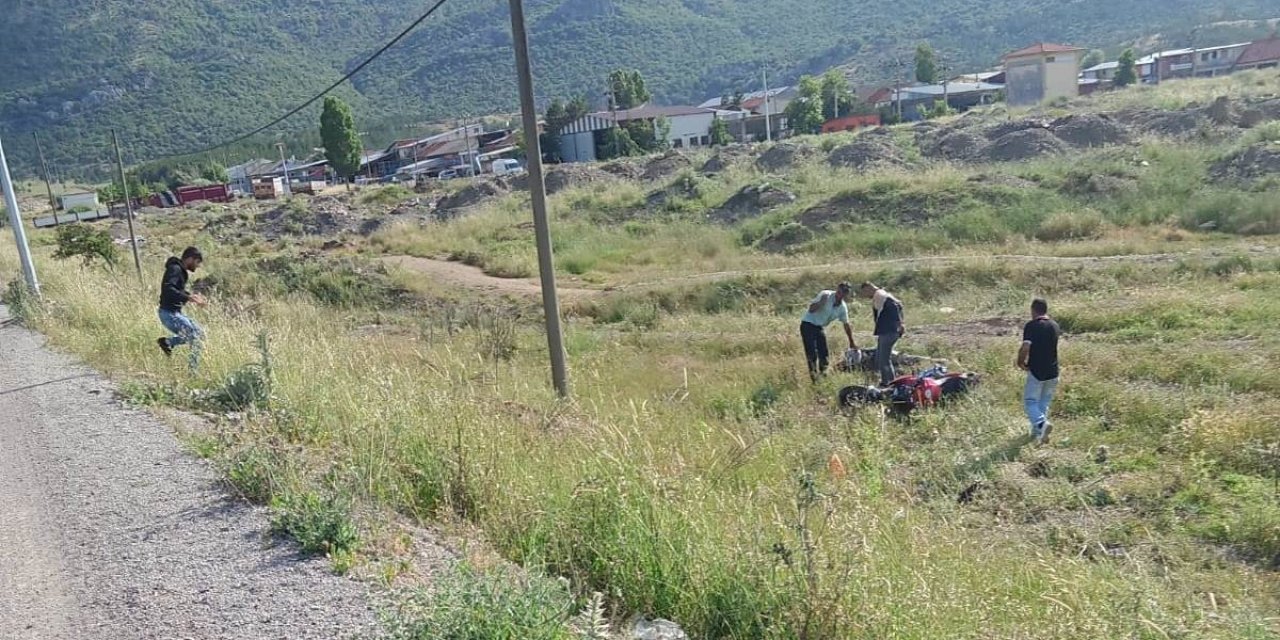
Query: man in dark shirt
<point x="173" y="295"/>
<point x="1039" y="358"/>
<point x="886" y="313"/>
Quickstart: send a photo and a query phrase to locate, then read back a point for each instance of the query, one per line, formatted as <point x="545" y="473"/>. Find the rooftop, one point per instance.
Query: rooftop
<point x="649" y="112"/>
<point x="1261" y="51"/>
<point x="952" y="88"/>
<point x="1041" y="48"/>
<point x="1103" y="67"/>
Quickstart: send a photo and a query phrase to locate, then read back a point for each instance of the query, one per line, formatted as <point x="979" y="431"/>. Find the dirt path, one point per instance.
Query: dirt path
<point x="109" y="531"/>
<point x="465" y="276"/>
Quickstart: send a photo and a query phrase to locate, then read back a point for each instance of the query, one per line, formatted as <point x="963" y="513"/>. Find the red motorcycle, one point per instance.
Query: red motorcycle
<point x="906" y="393"/>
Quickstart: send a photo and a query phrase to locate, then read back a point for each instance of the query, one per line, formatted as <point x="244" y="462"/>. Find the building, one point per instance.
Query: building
<point x="990" y="77"/>
<point x="1174" y="64"/>
<point x="1105" y="72"/>
<point x="1216" y="61"/>
<point x="1042" y="72"/>
<point x="242" y="175"/>
<point x="961" y="96"/>
<point x="1263" y="54"/>
<point x="851" y="123"/>
<point x="686" y="127"/>
<point x="87" y="201"/>
<point x="754" y="102"/>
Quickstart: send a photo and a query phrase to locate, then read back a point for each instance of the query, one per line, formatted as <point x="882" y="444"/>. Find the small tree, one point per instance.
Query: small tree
<point x="1093" y="59"/>
<point x="805" y="112"/>
<point x="617" y="143"/>
<point x="1127" y="72"/>
<point x="214" y="172"/>
<point x="628" y="89"/>
<point x="837" y="98"/>
<point x="87" y="243"/>
<point x="720" y="133"/>
<point x="340" y="139"/>
<point x="926" y="64"/>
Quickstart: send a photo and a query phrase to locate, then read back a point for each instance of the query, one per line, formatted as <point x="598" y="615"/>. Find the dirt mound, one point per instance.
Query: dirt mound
<point x="783" y="238"/>
<point x="567" y="176"/>
<point x="1222" y="112"/>
<point x="1172" y="124"/>
<point x="666" y="165"/>
<point x="1256" y="162"/>
<point x="317" y="216"/>
<point x="1089" y="130"/>
<point x="865" y="152"/>
<point x="683" y="188"/>
<point x="751" y="201"/>
<point x="725" y="158"/>
<point x="469" y="196"/>
<point x="1098" y="184"/>
<point x="949" y="144"/>
<point x="996" y="132"/>
<point x="1024" y="145"/>
<point x="623" y="168"/>
<point x="784" y="155"/>
<point x="1002" y="180"/>
<point x="899" y="207"/>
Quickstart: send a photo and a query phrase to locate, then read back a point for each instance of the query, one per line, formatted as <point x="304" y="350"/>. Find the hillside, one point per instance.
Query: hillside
<point x="178" y="75"/>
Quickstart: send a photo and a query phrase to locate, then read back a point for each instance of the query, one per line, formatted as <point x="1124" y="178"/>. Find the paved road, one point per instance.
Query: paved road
<point x="109" y="531"/>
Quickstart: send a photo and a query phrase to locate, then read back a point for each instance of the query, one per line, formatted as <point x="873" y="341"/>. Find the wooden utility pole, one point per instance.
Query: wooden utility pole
<point x="128" y="205"/>
<point x="538" y="193"/>
<point x="44" y="172"/>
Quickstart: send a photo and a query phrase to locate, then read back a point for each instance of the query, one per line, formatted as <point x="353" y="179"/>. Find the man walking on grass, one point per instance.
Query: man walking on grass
<point x="828" y="307"/>
<point x="886" y="310"/>
<point x="1039" y="358"/>
<point x="173" y="295"/>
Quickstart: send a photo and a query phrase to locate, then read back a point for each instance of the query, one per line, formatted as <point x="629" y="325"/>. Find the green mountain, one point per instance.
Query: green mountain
<point x="182" y="74"/>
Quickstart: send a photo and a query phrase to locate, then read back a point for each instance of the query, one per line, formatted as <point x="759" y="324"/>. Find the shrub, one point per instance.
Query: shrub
<point x="1234" y="212"/>
<point x="394" y="194"/>
<point x="21" y="302"/>
<point x="319" y="524"/>
<point x="503" y="604"/>
<point x="87" y="243"/>
<point x="1071" y="225"/>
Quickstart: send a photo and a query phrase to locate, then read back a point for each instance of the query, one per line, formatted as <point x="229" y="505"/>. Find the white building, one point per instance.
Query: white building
<point x="686" y="127"/>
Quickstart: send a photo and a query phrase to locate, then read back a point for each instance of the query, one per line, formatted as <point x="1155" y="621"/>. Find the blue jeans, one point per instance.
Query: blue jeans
<point x="884" y="358"/>
<point x="1036" y="398"/>
<point x="185" y="331"/>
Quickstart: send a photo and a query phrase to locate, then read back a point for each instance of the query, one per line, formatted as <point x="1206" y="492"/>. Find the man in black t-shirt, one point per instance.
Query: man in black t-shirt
<point x="1039" y="358"/>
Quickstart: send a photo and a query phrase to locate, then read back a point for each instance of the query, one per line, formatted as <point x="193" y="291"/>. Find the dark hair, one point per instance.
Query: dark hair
<point x="192" y="252"/>
<point x="868" y="285"/>
<point x="843" y="286"/>
<point x="1040" y="306"/>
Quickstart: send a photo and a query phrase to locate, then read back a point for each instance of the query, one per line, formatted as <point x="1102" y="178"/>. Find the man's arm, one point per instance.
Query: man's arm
<point x="817" y="304"/>
<point x="1024" y="352"/>
<point x="848" y="331"/>
<point x="171" y="286"/>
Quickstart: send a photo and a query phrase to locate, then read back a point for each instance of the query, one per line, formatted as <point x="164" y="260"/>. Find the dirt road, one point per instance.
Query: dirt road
<point x="109" y="531"/>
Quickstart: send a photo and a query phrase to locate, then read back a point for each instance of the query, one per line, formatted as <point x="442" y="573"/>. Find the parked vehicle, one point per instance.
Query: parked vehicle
<point x="449" y="174"/>
<point x="212" y="193"/>
<point x="507" y="167"/>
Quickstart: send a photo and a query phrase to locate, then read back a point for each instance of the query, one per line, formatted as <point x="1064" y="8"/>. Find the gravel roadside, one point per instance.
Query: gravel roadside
<point x="110" y="531"/>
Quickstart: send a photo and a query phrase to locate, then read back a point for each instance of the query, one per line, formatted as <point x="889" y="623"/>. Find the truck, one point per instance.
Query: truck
<point x="507" y="167"/>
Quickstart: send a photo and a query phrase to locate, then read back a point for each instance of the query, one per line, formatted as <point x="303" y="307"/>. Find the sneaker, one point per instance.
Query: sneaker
<point x="164" y="346"/>
<point x="1036" y="430"/>
<point x="1046" y="428"/>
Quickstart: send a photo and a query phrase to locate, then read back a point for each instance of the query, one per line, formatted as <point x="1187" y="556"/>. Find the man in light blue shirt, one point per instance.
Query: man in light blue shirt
<point x="828" y="307"/>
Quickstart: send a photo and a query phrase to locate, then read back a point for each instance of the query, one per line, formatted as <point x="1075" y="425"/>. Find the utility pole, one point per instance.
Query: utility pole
<point x="768" y="115"/>
<point x="284" y="166"/>
<point x="44" y="171"/>
<point x="128" y="204"/>
<point x="538" y="193"/>
<point x="15" y="221"/>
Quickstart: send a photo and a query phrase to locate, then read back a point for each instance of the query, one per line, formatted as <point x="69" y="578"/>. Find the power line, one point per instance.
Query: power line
<point x="322" y="94"/>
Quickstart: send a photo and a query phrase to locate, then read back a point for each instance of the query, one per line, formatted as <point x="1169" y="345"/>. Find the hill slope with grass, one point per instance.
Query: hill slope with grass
<point x="698" y="475"/>
<point x="176" y="76"/>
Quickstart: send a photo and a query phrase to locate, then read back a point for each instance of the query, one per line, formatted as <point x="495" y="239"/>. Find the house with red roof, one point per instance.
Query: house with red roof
<point x="1042" y="72"/>
<point x="1262" y="54"/>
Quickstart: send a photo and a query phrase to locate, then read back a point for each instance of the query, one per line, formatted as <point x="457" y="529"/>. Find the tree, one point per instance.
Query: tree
<point x="617" y="143"/>
<point x="837" y="98"/>
<point x="720" y="133"/>
<point x="87" y="243"/>
<point x="926" y="64"/>
<point x="627" y="89"/>
<point x="1093" y="59"/>
<point x="341" y="141"/>
<point x="214" y="172"/>
<point x="805" y="112"/>
<point x="1127" y="72"/>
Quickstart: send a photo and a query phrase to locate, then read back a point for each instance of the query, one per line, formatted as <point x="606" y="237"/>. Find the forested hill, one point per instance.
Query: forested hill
<point x="179" y="74"/>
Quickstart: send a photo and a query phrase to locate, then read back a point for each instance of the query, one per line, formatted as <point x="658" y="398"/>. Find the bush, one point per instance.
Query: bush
<point x="319" y="524"/>
<point x="21" y="302"/>
<point x="87" y="243"/>
<point x="394" y="194"/>
<point x="974" y="226"/>
<point x="1071" y="225"/>
<point x="1234" y="212"/>
<point x="504" y="604"/>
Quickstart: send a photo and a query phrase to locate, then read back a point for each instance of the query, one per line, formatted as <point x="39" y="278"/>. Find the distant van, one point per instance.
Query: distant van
<point x="507" y="167"/>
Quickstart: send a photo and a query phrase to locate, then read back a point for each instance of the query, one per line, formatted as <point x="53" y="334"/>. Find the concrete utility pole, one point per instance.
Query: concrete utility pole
<point x="284" y="166"/>
<point x="44" y="171"/>
<point x="15" y="221"/>
<point x="538" y="193"/>
<point x="128" y="205"/>
<point x="768" y="126"/>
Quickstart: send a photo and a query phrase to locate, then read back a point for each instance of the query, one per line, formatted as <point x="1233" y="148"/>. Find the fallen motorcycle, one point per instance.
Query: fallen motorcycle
<point x="909" y="392"/>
